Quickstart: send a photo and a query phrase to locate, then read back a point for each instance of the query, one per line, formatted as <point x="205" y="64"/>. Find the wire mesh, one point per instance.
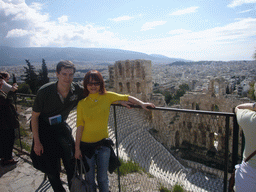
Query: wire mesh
<point x="179" y="148"/>
<point x="161" y="149"/>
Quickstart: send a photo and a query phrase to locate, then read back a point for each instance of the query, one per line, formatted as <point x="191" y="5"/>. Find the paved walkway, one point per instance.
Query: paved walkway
<point x="23" y="177"/>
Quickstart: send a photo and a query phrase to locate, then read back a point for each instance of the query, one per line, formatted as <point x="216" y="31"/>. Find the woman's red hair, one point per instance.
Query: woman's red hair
<point x="96" y="76"/>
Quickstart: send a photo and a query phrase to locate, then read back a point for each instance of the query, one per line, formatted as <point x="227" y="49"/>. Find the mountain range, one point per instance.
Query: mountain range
<point x="16" y="56"/>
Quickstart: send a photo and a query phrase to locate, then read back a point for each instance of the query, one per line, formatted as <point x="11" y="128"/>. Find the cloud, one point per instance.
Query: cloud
<point x="151" y="25"/>
<point x="17" y="33"/>
<point x="63" y="19"/>
<point x="246" y="11"/>
<point x="24" y="26"/>
<point x="220" y="43"/>
<point x="185" y="11"/>
<point x="236" y="3"/>
<point x="123" y="18"/>
<point x="179" y="31"/>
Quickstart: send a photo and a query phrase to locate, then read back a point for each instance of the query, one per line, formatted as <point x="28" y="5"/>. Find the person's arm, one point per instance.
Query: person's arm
<point x="79" y="132"/>
<point x="38" y="147"/>
<point x="136" y="101"/>
<point x="250" y="106"/>
<point x="14" y="87"/>
<point x="6" y="87"/>
<point x="123" y="103"/>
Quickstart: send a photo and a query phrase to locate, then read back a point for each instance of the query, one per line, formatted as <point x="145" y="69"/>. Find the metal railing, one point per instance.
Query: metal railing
<point x="228" y="117"/>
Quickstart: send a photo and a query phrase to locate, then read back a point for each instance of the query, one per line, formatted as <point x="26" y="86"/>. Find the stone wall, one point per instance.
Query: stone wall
<point x="132" y="77"/>
<point x="205" y="133"/>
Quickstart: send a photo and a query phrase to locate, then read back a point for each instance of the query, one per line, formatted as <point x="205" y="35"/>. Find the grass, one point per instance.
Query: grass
<point x="25" y="103"/>
<point x="176" y="188"/>
<point x="23" y="133"/>
<point x="164" y="189"/>
<point x="24" y="145"/>
<point x="129" y="167"/>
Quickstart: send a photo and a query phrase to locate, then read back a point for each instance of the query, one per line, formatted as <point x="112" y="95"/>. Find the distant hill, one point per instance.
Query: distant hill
<point x="16" y="56"/>
<point x="164" y="58"/>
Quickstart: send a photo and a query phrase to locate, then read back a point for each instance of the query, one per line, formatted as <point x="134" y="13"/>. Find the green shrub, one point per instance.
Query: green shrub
<point x="164" y="189"/>
<point x="24" y="88"/>
<point x="129" y="167"/>
<point x="177" y="188"/>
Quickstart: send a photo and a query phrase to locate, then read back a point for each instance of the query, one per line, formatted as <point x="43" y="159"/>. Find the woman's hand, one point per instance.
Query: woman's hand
<point x="126" y="104"/>
<point x="145" y="105"/>
<point x="78" y="154"/>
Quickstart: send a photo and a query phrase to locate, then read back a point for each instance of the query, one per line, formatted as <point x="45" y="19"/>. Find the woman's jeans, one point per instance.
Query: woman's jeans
<point x="101" y="159"/>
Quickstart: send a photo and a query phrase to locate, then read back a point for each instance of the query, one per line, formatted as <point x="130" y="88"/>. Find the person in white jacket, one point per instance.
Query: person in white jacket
<point x="245" y="175"/>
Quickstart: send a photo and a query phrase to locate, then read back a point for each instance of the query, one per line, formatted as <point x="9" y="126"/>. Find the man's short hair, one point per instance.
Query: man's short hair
<point x="66" y="65"/>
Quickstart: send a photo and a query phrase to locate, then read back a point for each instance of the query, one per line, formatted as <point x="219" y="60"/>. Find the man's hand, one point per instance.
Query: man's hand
<point x="38" y="148"/>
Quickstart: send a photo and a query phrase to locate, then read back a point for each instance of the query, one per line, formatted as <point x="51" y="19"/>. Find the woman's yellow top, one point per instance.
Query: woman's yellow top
<point x="93" y="113"/>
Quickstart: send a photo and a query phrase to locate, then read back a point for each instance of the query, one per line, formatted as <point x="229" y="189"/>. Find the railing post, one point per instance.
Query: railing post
<point x="235" y="142"/>
<point x="118" y="172"/>
<point x="226" y="154"/>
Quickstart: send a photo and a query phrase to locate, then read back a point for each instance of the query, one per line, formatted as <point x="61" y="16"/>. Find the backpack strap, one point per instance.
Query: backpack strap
<point x="249" y="157"/>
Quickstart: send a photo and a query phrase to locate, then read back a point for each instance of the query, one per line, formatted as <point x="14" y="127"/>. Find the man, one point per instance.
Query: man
<point x="245" y="175"/>
<point x="51" y="134"/>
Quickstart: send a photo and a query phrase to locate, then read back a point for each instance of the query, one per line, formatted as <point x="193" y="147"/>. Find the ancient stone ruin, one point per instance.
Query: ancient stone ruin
<point x="204" y="133"/>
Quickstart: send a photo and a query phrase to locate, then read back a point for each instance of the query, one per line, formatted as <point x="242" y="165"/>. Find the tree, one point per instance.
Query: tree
<point x="24" y="88"/>
<point x="31" y="77"/>
<point x="43" y="74"/>
<point x="181" y="91"/>
<point x="184" y="87"/>
<point x="167" y="96"/>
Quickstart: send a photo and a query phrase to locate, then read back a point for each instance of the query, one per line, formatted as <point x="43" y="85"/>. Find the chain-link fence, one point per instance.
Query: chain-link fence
<point x="168" y="147"/>
<point x="191" y="149"/>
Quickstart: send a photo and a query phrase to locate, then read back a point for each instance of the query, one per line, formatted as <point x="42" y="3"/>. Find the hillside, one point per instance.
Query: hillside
<point x="16" y="56"/>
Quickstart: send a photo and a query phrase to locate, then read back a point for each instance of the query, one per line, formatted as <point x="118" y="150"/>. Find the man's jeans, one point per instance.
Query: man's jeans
<point x="101" y="159"/>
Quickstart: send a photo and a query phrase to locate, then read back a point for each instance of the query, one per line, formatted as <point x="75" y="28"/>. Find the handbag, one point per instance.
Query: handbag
<point x="80" y="182"/>
<point x="114" y="162"/>
<point x="232" y="178"/>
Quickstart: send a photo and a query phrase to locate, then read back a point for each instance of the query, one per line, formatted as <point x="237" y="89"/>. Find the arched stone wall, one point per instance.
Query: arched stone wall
<point x="135" y="76"/>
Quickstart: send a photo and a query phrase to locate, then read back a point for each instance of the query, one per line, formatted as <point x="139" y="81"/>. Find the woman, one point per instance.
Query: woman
<point x="92" y="129"/>
<point x="7" y="128"/>
<point x="7" y="87"/>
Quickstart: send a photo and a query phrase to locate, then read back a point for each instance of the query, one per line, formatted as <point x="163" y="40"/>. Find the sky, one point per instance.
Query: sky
<point x="220" y="30"/>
